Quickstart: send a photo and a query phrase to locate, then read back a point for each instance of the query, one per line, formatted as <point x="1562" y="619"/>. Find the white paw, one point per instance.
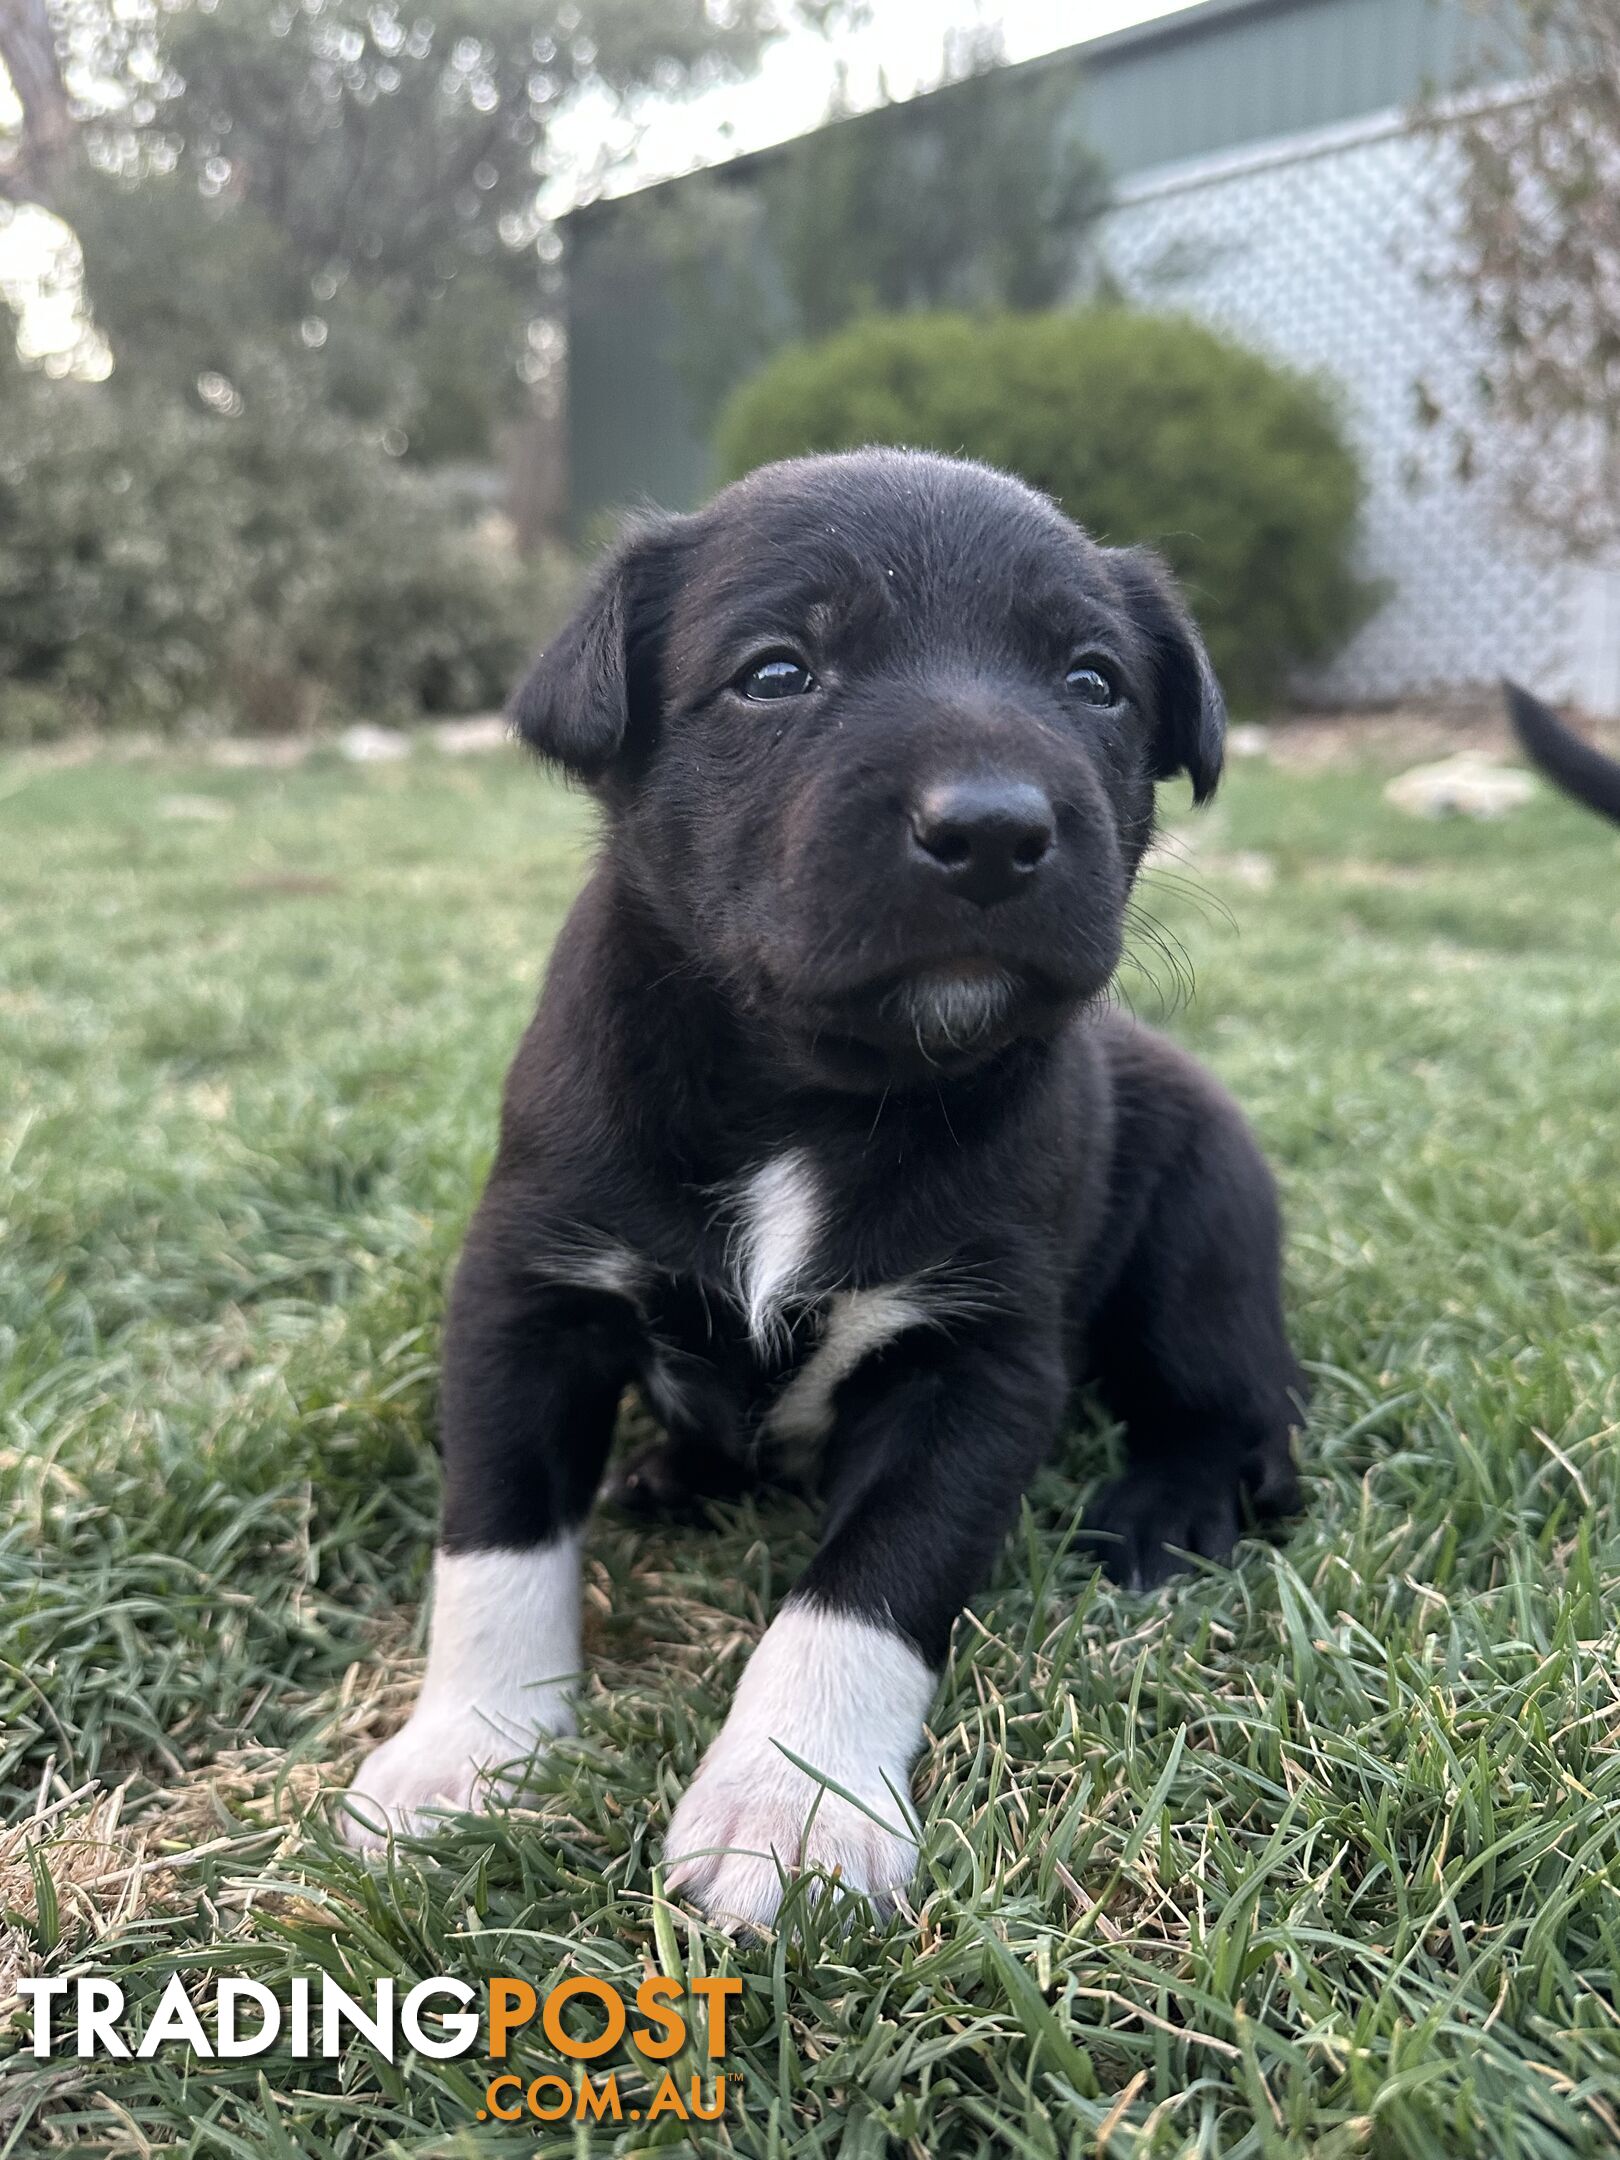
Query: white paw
<point x="845" y="1695"/>
<point x="503" y="1649"/>
<point x="443" y="1760"/>
<point x="749" y="1821"/>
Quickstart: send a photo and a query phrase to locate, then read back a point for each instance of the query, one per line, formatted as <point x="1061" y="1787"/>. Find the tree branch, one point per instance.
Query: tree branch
<point x="28" y="53"/>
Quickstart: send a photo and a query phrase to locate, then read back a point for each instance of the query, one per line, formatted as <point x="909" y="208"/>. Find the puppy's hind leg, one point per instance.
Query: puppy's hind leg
<point x="696" y="1456"/>
<point x="1190" y="1351"/>
<point x="673" y="1477"/>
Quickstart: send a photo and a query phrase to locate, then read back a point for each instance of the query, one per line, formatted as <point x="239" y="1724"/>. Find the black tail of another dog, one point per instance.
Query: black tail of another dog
<point x="1568" y="761"/>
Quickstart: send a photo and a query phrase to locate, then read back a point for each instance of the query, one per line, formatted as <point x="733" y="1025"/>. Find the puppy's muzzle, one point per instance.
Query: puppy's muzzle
<point x="982" y="839"/>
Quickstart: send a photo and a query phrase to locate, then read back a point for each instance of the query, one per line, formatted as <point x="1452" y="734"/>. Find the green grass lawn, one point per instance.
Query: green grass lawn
<point x="1320" y="1854"/>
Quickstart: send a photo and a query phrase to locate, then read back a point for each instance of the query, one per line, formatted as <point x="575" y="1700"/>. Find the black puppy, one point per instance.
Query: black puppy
<point x="825" y="1136"/>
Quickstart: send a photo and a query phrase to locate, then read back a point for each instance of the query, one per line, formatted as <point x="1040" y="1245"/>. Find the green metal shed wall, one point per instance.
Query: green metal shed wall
<point x="1237" y="72"/>
<point x="1217" y="77"/>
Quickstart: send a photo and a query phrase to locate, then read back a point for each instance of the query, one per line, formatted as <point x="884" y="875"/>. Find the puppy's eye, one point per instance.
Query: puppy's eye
<point x="780" y="676"/>
<point x="1091" y="683"/>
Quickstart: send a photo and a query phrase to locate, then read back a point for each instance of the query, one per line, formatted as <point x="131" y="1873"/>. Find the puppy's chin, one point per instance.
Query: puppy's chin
<point x="953" y="1011"/>
<point x="938" y="1023"/>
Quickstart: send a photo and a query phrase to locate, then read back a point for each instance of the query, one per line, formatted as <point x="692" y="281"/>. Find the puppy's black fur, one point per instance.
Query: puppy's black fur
<point x="829" y="1017"/>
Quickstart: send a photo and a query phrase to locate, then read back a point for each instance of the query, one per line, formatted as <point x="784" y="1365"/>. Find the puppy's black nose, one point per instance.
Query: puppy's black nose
<point x="985" y="837"/>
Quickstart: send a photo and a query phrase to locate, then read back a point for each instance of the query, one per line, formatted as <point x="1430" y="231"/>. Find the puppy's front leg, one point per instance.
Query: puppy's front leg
<point x="927" y="1478"/>
<point x="532" y="1377"/>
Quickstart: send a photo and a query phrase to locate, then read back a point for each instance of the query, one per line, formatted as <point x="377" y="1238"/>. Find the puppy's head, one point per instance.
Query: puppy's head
<point x="877" y="735"/>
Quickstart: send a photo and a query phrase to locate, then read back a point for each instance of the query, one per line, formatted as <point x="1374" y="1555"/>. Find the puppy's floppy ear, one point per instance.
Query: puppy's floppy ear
<point x="1189" y="710"/>
<point x="576" y="704"/>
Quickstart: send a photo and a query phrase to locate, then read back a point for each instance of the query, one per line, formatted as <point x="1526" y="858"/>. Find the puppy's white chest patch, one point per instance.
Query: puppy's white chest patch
<point x="854" y="1325"/>
<point x="780" y="1222"/>
<point x="779" y="1217"/>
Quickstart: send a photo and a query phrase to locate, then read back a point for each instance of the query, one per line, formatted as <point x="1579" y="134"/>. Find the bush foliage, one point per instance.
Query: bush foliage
<point x="260" y="567"/>
<point x="1144" y="428"/>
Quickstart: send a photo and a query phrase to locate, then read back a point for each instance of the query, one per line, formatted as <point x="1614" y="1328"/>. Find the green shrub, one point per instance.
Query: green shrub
<point x="1144" y="428"/>
<point x="31" y="713"/>
<point x="259" y="568"/>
